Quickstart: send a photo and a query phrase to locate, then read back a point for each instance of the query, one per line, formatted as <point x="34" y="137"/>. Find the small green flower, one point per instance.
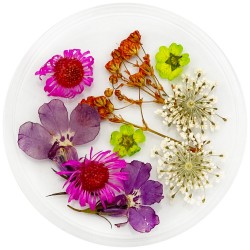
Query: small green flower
<point x="125" y="141"/>
<point x="170" y="61"/>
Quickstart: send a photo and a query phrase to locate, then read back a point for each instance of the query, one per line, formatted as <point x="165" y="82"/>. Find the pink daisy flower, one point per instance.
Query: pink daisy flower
<point x="95" y="179"/>
<point x="68" y="73"/>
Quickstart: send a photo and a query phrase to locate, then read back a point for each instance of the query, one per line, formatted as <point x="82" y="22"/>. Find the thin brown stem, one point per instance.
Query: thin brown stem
<point x="149" y="130"/>
<point x="142" y="117"/>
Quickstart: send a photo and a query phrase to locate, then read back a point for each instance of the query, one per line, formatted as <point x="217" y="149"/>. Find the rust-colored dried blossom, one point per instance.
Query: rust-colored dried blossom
<point x="116" y="53"/>
<point x="129" y="49"/>
<point x="135" y="37"/>
<point x="102" y="104"/>
<point x="108" y="92"/>
<point x="137" y="79"/>
<point x="113" y="79"/>
<point x="113" y="66"/>
<point x="145" y="68"/>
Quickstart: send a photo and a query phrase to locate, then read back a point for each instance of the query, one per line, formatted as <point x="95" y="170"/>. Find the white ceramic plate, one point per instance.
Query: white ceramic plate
<point x="100" y="30"/>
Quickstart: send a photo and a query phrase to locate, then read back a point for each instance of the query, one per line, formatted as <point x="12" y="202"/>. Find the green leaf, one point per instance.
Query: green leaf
<point x="139" y="136"/>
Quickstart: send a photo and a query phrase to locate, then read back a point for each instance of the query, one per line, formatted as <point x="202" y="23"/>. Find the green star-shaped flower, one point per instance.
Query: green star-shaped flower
<point x="170" y="61"/>
<point x="125" y="141"/>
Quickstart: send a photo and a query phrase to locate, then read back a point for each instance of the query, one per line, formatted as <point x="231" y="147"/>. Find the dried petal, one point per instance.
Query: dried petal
<point x="34" y="140"/>
<point x="138" y="172"/>
<point x="85" y="122"/>
<point x="151" y="192"/>
<point x="143" y="219"/>
<point x="54" y="117"/>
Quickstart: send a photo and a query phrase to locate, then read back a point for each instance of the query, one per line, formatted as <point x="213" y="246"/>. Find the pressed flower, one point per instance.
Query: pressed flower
<point x="67" y="74"/>
<point x="94" y="179"/>
<point x="134" y="204"/>
<point x="114" y="65"/>
<point x="102" y="104"/>
<point x="187" y="168"/>
<point x="128" y="49"/>
<point x="191" y="105"/>
<point x="126" y="140"/>
<point x="145" y="68"/>
<point x="137" y="79"/>
<point x="62" y="154"/>
<point x="170" y="61"/>
<point x="57" y="130"/>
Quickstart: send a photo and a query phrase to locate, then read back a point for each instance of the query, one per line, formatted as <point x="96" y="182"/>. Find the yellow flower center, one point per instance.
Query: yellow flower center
<point x="188" y="165"/>
<point x="190" y="104"/>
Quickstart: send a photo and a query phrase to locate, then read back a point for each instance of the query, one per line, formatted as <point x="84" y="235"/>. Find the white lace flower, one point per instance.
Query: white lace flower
<point x="191" y="105"/>
<point x="187" y="168"/>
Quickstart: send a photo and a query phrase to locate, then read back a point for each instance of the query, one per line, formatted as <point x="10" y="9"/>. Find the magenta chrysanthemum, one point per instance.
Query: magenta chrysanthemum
<point x="95" y="179"/>
<point x="68" y="73"/>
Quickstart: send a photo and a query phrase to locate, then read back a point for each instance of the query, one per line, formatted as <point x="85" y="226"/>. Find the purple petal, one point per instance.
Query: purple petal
<point x="85" y="122"/>
<point x="62" y="154"/>
<point x="118" y="207"/>
<point x="151" y="192"/>
<point x="138" y="174"/>
<point x="143" y="219"/>
<point x="54" y="117"/>
<point x="34" y="140"/>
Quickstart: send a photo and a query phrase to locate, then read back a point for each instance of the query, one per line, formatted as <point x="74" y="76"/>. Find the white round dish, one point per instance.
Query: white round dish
<point x="100" y="30"/>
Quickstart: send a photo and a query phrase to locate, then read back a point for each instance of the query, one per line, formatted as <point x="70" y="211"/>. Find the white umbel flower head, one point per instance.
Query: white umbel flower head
<point x="191" y="105"/>
<point x="187" y="168"/>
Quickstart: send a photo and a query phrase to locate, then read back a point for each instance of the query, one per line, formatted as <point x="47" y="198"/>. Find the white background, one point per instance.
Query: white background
<point x="23" y="22"/>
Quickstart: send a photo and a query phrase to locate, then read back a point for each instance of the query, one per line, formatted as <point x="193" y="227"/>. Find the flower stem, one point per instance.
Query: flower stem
<point x="149" y="130"/>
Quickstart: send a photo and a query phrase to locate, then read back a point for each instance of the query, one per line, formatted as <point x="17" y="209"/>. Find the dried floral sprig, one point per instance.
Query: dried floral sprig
<point x="188" y="167"/>
<point x="192" y="105"/>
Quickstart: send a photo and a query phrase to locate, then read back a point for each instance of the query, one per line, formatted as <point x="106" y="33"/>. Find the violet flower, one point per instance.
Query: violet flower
<point x="140" y="193"/>
<point x="58" y="132"/>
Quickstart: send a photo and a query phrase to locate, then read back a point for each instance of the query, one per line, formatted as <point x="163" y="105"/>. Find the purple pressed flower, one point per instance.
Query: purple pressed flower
<point x="58" y="132"/>
<point x="140" y="193"/>
<point x="68" y="73"/>
<point x="94" y="179"/>
<point x="61" y="154"/>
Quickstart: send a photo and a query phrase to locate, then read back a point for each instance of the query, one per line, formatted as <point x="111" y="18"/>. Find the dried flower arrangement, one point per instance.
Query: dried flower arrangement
<point x="105" y="183"/>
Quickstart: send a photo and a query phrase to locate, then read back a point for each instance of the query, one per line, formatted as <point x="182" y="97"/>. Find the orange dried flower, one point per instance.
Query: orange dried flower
<point x="135" y="37"/>
<point x="145" y="68"/>
<point x="108" y="92"/>
<point x="129" y="49"/>
<point x="102" y="104"/>
<point x="113" y="79"/>
<point x="116" y="54"/>
<point x="114" y="65"/>
<point x="137" y="79"/>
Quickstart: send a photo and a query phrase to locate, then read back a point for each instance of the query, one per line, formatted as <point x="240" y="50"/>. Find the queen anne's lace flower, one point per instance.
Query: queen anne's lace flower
<point x="191" y="105"/>
<point x="187" y="167"/>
